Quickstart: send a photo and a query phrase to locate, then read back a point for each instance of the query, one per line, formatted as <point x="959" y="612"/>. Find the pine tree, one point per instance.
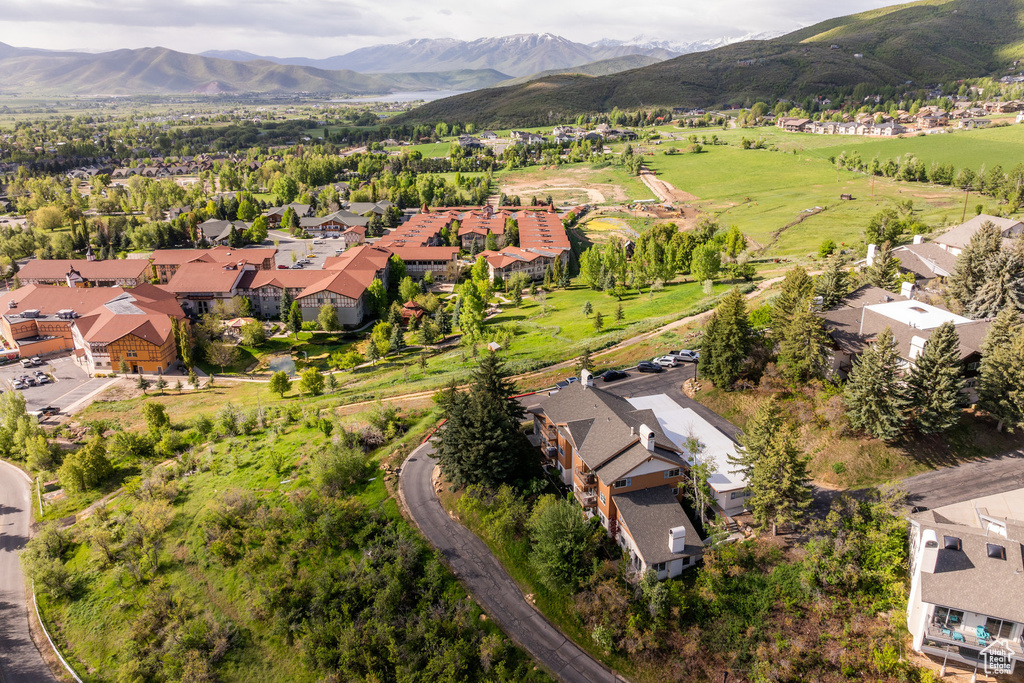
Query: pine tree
<point x="1001" y="377"/>
<point x="588" y="308"/>
<point x="969" y="273"/>
<point x="295" y="318"/>
<point x="619" y="313"/>
<point x="286" y="305"/>
<point x="397" y="342"/>
<point x="796" y="291"/>
<point x="443" y="320"/>
<point x="481" y="442"/>
<point x="598" y="321"/>
<point x="757" y="436"/>
<point x="1003" y="285"/>
<point x="936" y="382"/>
<point x="726" y="342"/>
<point x="584" y="362"/>
<point x="884" y="269"/>
<point x="875" y="396"/>
<point x="779" y="492"/>
<point x="803" y="352"/>
<point x="833" y="283"/>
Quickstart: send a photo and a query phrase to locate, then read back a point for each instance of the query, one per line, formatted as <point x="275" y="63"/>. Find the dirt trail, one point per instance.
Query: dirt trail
<point x="665" y="192"/>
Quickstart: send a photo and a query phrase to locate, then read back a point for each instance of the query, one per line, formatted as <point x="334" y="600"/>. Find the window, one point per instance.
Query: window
<point x="945" y="616"/>
<point x="686" y="561"/>
<point x="996" y="552"/>
<point x="131" y="353"/>
<point x="745" y="493"/>
<point x="999" y="628"/>
<point x="603" y="500"/>
<point x="623" y="483"/>
<point x="672" y="473"/>
<point x="973" y="366"/>
<point x="951" y="543"/>
<point x="660" y="567"/>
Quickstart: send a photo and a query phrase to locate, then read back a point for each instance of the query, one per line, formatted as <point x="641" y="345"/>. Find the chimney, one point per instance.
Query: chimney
<point x="918" y="239"/>
<point x="907" y="290"/>
<point x="677" y="539"/>
<point x="929" y="552"/>
<point x="647" y="437"/>
<point x="871" y="254"/>
<point x="586" y="378"/>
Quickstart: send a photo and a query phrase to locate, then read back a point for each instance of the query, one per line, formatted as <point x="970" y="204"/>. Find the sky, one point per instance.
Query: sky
<point x="322" y="28"/>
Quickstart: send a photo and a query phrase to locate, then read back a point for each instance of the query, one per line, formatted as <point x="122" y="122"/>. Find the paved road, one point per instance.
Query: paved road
<point x="20" y="661"/>
<point x="489" y="583"/>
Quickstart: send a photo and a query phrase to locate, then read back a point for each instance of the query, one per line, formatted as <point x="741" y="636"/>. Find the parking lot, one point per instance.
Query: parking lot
<point x="69" y="384"/>
<point x="286" y="245"/>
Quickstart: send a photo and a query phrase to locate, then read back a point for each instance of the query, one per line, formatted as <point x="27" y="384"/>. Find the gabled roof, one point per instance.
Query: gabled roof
<point x="649" y="515"/>
<point x="204" y="277"/>
<point x="109" y="269"/>
<point x="959" y="236"/>
<point x="926" y="260"/>
<point x="219" y="254"/>
<point x="606" y="430"/>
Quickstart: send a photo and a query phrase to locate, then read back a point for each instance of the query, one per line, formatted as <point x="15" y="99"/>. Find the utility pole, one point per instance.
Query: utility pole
<point x="963" y="216"/>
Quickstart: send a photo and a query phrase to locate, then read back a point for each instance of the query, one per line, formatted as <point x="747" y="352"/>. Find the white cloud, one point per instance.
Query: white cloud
<point x="321" y="28"/>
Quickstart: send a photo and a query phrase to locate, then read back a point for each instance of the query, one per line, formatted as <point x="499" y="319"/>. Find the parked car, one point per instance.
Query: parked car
<point x="17" y="384"/>
<point x="666" y="361"/>
<point x="566" y="382"/>
<point x="49" y="410"/>
<point x="648" y="366"/>
<point x="26" y="362"/>
<point x="612" y="375"/>
<point x="299" y="265"/>
<point x="42" y="379"/>
<point x="283" y="267"/>
<point x="685" y="355"/>
<point x="30" y="381"/>
<point x="318" y="241"/>
<point x="36" y="360"/>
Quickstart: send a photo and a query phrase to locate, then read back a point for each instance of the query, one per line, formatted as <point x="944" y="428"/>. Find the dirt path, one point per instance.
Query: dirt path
<point x="594" y="196"/>
<point x="665" y="192"/>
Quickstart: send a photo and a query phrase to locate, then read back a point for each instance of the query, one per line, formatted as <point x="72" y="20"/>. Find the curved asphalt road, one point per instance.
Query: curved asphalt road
<point x="20" y="661"/>
<point x="489" y="583"/>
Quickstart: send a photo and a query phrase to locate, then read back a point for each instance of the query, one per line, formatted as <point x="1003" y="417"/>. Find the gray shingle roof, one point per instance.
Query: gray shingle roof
<point x="604" y="429"/>
<point x="969" y="579"/>
<point x="926" y="260"/>
<point x="959" y="236"/>
<point x="649" y="515"/>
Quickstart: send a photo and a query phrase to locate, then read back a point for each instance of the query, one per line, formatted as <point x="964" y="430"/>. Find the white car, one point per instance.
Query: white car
<point x="685" y="355"/>
<point x="666" y="361"/>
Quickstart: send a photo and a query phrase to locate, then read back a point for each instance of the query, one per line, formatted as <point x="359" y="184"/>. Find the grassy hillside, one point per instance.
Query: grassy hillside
<point x="161" y="71"/>
<point x="923" y="42"/>
<point x="603" y="67"/>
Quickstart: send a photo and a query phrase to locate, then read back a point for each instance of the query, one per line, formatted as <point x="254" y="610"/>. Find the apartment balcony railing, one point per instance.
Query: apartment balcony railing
<point x="970" y="638"/>
<point x="586" y="497"/>
<point x="588" y="478"/>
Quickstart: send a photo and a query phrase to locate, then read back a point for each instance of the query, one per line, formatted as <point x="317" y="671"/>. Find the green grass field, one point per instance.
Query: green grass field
<point x="789" y="203"/>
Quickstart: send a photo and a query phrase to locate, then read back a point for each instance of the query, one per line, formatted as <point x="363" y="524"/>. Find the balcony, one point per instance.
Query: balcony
<point x="968" y="637"/>
<point x="586" y="497"/>
<point x="588" y="478"/>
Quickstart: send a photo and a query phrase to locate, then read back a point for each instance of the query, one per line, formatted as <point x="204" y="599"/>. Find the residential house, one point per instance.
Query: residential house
<point x="275" y="214"/>
<point x="966" y="601"/>
<point x="955" y="239"/>
<point x="335" y="225"/>
<point x="867" y="311"/>
<point x="101" y="325"/>
<point x="370" y="208"/>
<point x="926" y="260"/>
<point x="792" y="124"/>
<point x="86" y="272"/>
<point x="217" y="231"/>
<point x="488" y="135"/>
<point x="622" y="468"/>
<point x="526" y="138"/>
<point x="971" y="124"/>
<point x="167" y="261"/>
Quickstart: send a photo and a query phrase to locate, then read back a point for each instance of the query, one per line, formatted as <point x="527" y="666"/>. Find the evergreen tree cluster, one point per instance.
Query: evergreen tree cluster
<point x="481" y="442"/>
<point x="987" y="277"/>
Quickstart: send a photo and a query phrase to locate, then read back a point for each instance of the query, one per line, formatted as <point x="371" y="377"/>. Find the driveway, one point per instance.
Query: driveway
<point x="70" y="384"/>
<point x="974" y="479"/>
<point x="488" y="582"/>
<point x="20" y="661"/>
<point x="286" y="245"/>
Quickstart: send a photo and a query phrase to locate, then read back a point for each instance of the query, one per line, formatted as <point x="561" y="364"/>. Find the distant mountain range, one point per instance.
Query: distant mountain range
<point x="162" y="71"/>
<point x="923" y="43"/>
<point x="517" y="55"/>
<point x="428" y="64"/>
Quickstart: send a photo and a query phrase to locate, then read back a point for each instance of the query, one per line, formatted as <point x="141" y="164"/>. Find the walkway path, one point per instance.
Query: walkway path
<point x="488" y="582"/>
<point x="20" y="661"/>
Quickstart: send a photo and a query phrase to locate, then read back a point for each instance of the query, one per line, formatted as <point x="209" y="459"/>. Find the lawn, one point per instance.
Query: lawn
<point x="787" y="204"/>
